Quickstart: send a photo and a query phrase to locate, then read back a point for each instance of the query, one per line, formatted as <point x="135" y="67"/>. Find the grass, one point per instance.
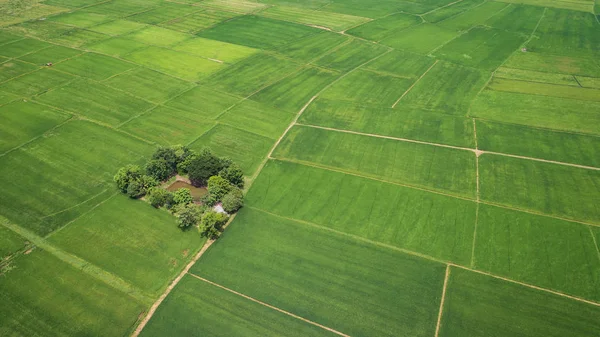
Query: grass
<point x="198" y="21"/>
<point x="538" y="111"/>
<point x="589" y="82"/>
<point x="517" y="18"/>
<point x="80" y="19"/>
<point x="351" y="55"/>
<point x="442" y="169"/>
<point x="410" y="123"/>
<point x="142" y="82"/>
<point x="155" y="249"/>
<point x="245" y="148"/>
<point x="238" y="6"/>
<point x="427" y="223"/>
<point x="308" y="271"/>
<point x="293" y="92"/>
<point x="24" y="121"/>
<point x="474" y="16"/>
<point x="378" y="29"/>
<point x="117" y="27"/>
<point x="52" y="54"/>
<point x="64" y="180"/>
<point x="116" y="46"/>
<point x="94" y="66"/>
<point x="535" y="76"/>
<point x="158" y="36"/>
<point x="198" y="308"/>
<point x="168" y="126"/>
<point x="420" y="39"/>
<point x="401" y="63"/>
<point x="45" y="296"/>
<point x="444" y="13"/>
<point x="13" y="68"/>
<point x="546" y="89"/>
<point x="36" y="82"/>
<point x="257" y="32"/>
<point x="96" y="101"/>
<point x="258" y="118"/>
<point x="77" y="37"/>
<point x="478" y="305"/>
<point x="538" y="143"/>
<point x="578" y="5"/>
<point x="10" y="242"/>
<point x="329" y="20"/>
<point x="551" y="189"/>
<point x="447" y="88"/>
<point x="313" y="46"/>
<point x="203" y="102"/>
<point x="165" y="12"/>
<point x="554" y="64"/>
<point x="226" y="52"/>
<point x="546" y="252"/>
<point x="22" y="47"/>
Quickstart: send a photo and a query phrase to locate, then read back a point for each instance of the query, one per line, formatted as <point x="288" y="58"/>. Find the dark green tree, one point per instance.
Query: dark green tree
<point x="182" y="196"/>
<point x="204" y="166"/>
<point x="233" y="201"/>
<point x="126" y="175"/>
<point x="188" y="216"/>
<point x="169" y="155"/>
<point x="159" y="169"/>
<point x="212" y="223"/>
<point x="234" y="175"/>
<point x="138" y="187"/>
<point x="159" y="197"/>
<point x="218" y="187"/>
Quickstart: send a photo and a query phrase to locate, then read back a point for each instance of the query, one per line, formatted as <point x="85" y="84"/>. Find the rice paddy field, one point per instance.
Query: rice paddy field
<point x="413" y="168"/>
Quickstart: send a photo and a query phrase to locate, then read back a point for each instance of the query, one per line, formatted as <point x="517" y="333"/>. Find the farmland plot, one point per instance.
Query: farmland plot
<point x="36" y="82"/>
<point x="141" y="82"/>
<point x="328" y="20"/>
<point x="351" y="55"/>
<point x="313" y="46"/>
<point x="259" y="118"/>
<point x="378" y="29"/>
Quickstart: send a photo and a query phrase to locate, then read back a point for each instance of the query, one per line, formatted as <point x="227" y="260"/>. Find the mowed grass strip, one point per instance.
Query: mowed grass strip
<point x="246" y="148"/>
<point x="259" y="118"/>
<point x="168" y="126"/>
<point x="139" y="243"/>
<point x="479" y="305"/>
<point x="64" y="180"/>
<point x="96" y="101"/>
<point x="426" y="223"/>
<point x="143" y="82"/>
<point x="43" y="295"/>
<point x="329" y="20"/>
<point x="552" y="189"/>
<point x="407" y="122"/>
<point x="537" y="110"/>
<point x="23" y="121"/>
<point x="198" y="308"/>
<point x="545" y="89"/>
<point x="351" y="55"/>
<point x="431" y="167"/>
<point x="351" y="286"/>
<point x="447" y="88"/>
<point x="542" y="251"/>
<point x="538" y="143"/>
<point x="313" y="46"/>
<point x="257" y="32"/>
<point x="378" y="29"/>
<point x="293" y="92"/>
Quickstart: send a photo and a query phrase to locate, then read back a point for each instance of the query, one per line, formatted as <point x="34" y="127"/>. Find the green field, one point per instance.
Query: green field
<point x="410" y="168"/>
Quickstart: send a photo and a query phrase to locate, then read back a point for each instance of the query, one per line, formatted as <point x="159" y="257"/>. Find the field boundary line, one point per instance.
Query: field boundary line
<point x="441" y="312"/>
<point x="476" y="151"/>
<point x="472" y="264"/>
<point x="424" y="256"/>
<point x="175" y="281"/>
<point x="441" y="7"/>
<point x="417" y="81"/>
<point x="78" y="263"/>
<point x="270" y="306"/>
<point x="595" y="242"/>
<point x="76" y="205"/>
<point x="71" y="117"/>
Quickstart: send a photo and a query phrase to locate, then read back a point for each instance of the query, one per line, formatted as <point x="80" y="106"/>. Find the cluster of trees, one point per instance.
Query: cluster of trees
<point x="223" y="179"/>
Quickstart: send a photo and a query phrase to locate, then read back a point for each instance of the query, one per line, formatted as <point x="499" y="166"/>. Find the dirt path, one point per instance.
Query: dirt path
<point x="270" y="306"/>
<point x="417" y="81"/>
<point x="441" y="312"/>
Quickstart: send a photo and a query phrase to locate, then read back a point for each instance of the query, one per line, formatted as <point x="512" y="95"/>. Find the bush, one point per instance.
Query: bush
<point x="188" y="216"/>
<point x="183" y="196"/>
<point x="218" y="187"/>
<point x="158" y="169"/>
<point x="159" y="197"/>
<point x="169" y="156"/>
<point x="233" y="201"/>
<point x="126" y="175"/>
<point x="182" y="167"/>
<point x="138" y="187"/>
<point x="234" y="175"/>
<point x="204" y="166"/>
<point x="212" y="223"/>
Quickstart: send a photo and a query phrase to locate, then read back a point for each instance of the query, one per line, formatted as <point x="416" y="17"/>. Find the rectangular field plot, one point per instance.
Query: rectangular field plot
<point x="165" y="12"/>
<point x="426" y="223"/>
<point x="259" y="118"/>
<point x="401" y="63"/>
<point x="437" y="168"/>
<point x="238" y="6"/>
<point x="555" y="64"/>
<point x="252" y="74"/>
<point x="36" y="82"/>
<point x="7" y="37"/>
<point x="553" y="189"/>
<point x="80" y="19"/>
<point x="329" y="20"/>
<point x="22" y="47"/>
<point x="420" y="39"/>
<point x="549" y="253"/>
<point x="63" y="180"/>
<point x="121" y="8"/>
<point x="73" y="303"/>
<point x="378" y="29"/>
<point x="52" y="54"/>
<point x="447" y="12"/>
<point x="536" y="76"/>
<point x="149" y="85"/>
<point x="158" y="36"/>
<point x="78" y="37"/>
<point x="293" y="92"/>
<point x="484" y="48"/>
<point x="139" y="243"/>
<point x="245" y="148"/>
<point x="95" y="101"/>
<point x="351" y="55"/>
<point x="212" y="49"/>
<point x="447" y="88"/>
<point x="410" y="123"/>
<point x="116" y="46"/>
<point x="40" y="29"/>
<point x="538" y="143"/>
<point x="95" y="66"/>
<point x="204" y="102"/>
<point x="540" y="111"/>
<point x="517" y="18"/>
<point x="545" y="89"/>
<point x="167" y="126"/>
<point x="22" y="121"/>
<point x="257" y="32"/>
<point x="474" y="16"/>
<point x="313" y="46"/>
<point x="377" y="9"/>
<point x="197" y="308"/>
<point x="187" y="67"/>
<point x="348" y="285"/>
<point x="479" y="305"/>
<point x="198" y="21"/>
<point x="117" y="27"/>
<point x="574" y="5"/>
<point x="14" y="68"/>
<point x="368" y="88"/>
